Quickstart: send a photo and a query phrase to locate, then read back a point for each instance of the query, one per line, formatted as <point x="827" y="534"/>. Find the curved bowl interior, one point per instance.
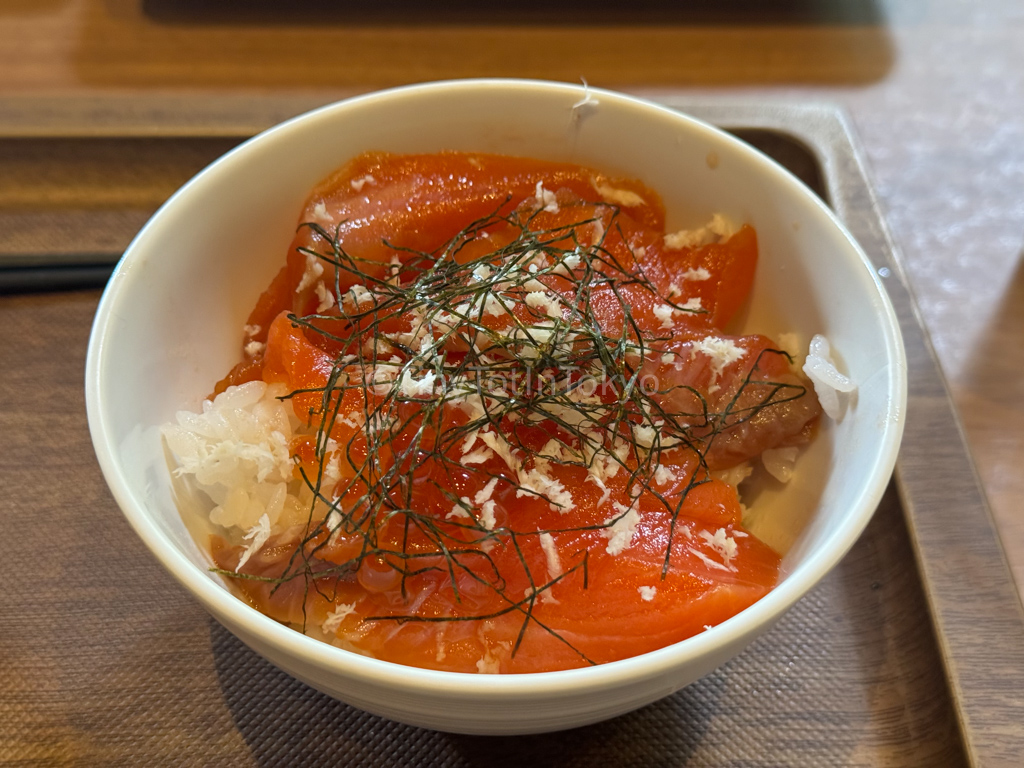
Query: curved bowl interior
<point x="170" y="321"/>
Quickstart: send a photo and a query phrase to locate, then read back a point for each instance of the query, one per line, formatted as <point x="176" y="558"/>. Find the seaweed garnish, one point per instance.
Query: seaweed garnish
<point x="420" y="340"/>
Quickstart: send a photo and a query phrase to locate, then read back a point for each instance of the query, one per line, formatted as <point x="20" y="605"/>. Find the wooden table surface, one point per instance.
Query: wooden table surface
<point x="935" y="90"/>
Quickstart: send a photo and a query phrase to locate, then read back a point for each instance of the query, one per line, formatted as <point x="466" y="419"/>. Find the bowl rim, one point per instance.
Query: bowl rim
<point x="655" y="664"/>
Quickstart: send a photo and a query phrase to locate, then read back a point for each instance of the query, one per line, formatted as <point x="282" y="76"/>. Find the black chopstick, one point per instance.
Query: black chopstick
<point x="65" y="277"/>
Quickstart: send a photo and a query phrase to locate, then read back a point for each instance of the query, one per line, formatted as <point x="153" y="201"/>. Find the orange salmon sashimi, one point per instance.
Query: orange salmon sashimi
<point x="590" y="606"/>
<point x="383" y="207"/>
<point x="515" y="391"/>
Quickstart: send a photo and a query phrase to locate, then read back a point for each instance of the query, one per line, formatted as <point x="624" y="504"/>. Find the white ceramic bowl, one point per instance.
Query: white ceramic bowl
<point x="168" y="326"/>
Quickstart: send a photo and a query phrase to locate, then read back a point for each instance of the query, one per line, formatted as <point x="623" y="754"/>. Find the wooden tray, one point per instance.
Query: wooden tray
<point x="910" y="653"/>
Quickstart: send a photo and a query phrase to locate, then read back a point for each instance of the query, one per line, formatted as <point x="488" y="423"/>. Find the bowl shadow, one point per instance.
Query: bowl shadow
<point x="284" y="721"/>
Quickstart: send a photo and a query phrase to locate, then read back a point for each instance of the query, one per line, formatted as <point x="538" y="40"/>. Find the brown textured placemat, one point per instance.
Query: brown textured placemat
<point x="81" y="199"/>
<point x="105" y="660"/>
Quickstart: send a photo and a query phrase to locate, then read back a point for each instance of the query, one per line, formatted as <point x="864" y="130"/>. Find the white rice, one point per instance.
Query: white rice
<point x="238" y="452"/>
<point x="829" y="383"/>
<point x="780" y="462"/>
